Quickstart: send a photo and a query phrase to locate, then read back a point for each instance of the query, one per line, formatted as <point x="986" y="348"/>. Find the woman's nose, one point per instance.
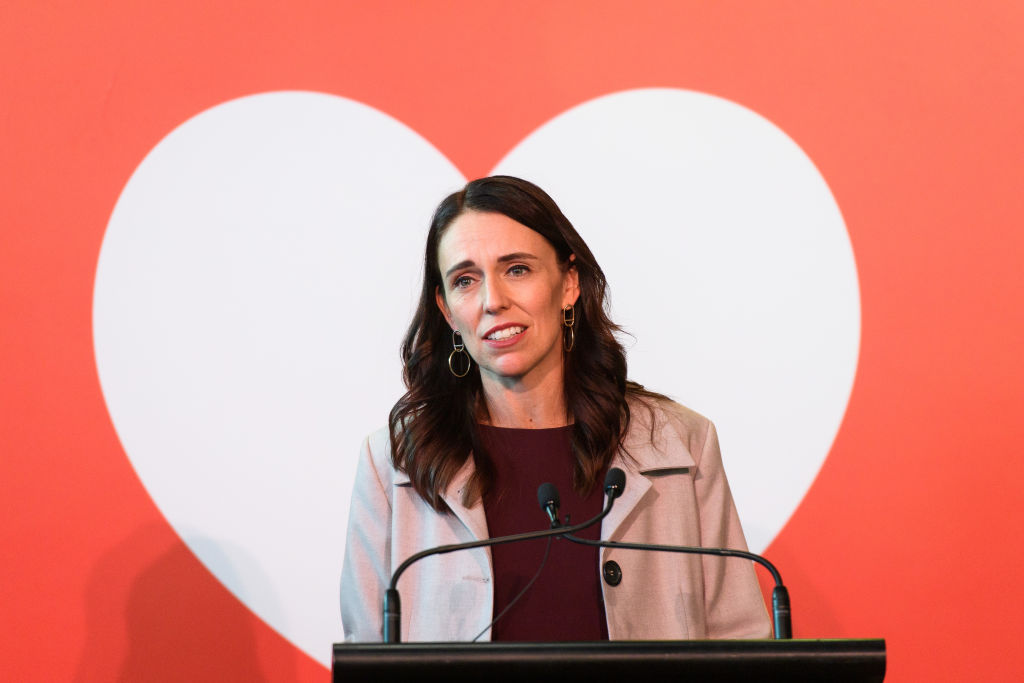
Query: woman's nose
<point x="495" y="296"/>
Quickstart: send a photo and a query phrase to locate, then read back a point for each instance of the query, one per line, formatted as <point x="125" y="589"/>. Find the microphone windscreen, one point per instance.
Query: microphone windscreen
<point x="615" y="482"/>
<point x="546" y="495"/>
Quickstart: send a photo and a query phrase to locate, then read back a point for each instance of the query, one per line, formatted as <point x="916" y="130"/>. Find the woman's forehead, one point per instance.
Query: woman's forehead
<point x="488" y="237"/>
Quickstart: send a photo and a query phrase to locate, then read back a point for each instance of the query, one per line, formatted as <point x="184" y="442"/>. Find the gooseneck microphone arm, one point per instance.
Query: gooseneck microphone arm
<point x="613" y="486"/>
<point x="780" y="595"/>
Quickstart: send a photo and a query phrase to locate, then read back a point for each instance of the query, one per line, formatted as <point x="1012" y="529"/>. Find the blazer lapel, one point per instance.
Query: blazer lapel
<point x="636" y="488"/>
<point x="473" y="516"/>
<point x="645" y="455"/>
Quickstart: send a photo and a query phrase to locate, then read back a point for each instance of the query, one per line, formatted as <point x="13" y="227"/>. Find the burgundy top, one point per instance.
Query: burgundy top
<point x="565" y="603"/>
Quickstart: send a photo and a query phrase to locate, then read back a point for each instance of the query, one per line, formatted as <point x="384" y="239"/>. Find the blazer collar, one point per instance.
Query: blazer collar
<point x="646" y="455"/>
<point x="473" y="516"/>
<point x="643" y="454"/>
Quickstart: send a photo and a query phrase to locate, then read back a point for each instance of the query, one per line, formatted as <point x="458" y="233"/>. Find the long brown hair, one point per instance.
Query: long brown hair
<point x="433" y="426"/>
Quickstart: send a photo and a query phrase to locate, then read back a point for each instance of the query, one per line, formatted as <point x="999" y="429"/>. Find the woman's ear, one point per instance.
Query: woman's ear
<point x="572" y="282"/>
<point x="443" y="305"/>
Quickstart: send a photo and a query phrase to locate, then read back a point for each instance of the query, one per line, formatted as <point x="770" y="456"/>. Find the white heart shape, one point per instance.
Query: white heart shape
<point x="261" y="265"/>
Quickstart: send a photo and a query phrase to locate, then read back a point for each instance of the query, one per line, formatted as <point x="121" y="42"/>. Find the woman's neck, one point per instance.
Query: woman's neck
<point x="526" y="405"/>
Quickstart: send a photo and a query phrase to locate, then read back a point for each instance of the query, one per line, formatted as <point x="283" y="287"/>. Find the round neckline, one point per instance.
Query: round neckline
<point x="526" y="429"/>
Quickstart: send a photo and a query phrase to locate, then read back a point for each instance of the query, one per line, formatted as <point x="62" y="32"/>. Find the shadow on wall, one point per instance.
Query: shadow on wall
<point x="154" y="613"/>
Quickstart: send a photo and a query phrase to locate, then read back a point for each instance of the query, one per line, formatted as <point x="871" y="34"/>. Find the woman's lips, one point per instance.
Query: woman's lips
<point x="504" y="332"/>
<point x="504" y="336"/>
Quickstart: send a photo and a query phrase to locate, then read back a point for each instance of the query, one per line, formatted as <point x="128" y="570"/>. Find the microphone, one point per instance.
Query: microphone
<point x="613" y="486"/>
<point x="547" y="496"/>
<point x="547" y="493"/>
<point x="615" y="482"/>
<point x="780" y="595"/>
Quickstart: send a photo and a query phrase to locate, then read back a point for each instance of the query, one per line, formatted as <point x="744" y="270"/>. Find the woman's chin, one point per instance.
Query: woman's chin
<point x="510" y="370"/>
<point x="505" y="370"/>
<point x="503" y="374"/>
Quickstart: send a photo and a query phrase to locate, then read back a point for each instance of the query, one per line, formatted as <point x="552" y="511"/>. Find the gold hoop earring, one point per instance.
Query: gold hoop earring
<point x="460" y="348"/>
<point x="569" y="323"/>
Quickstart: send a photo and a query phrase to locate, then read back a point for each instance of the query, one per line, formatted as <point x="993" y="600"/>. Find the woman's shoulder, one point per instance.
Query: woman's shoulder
<point x="661" y="410"/>
<point x="379" y="442"/>
<point x="376" y="452"/>
<point x="662" y="424"/>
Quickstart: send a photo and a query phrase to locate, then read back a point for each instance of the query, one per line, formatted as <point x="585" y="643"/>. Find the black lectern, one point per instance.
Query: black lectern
<point x="684" y="660"/>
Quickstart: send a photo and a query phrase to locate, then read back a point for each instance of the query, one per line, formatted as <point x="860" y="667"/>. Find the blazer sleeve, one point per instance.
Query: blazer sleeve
<point x="734" y="606"/>
<point x="366" y="570"/>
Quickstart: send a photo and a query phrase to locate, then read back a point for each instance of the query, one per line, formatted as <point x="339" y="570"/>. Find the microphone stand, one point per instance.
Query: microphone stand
<point x="392" y="603"/>
<point x="780" y="595"/>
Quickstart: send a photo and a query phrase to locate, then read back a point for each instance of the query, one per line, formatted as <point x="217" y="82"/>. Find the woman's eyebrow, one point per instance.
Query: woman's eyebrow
<point x="459" y="266"/>
<point x="517" y="256"/>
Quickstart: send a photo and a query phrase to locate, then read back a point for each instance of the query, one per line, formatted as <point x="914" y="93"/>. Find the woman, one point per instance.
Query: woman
<point x="515" y="378"/>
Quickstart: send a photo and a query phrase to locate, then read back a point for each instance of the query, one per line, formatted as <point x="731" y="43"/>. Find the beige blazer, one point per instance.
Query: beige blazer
<point x="676" y="494"/>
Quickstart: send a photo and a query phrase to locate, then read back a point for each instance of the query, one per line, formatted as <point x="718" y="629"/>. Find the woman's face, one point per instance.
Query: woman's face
<point x="504" y="291"/>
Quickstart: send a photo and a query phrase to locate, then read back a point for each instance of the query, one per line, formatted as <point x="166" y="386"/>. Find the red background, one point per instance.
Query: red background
<point x="911" y="110"/>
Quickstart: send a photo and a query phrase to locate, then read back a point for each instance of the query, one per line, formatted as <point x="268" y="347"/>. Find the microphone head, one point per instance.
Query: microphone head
<point x="547" y="495"/>
<point x="614" y="482"/>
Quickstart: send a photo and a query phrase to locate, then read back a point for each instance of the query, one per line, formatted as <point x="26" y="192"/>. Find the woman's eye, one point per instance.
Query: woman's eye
<point x="518" y="270"/>
<point x="461" y="282"/>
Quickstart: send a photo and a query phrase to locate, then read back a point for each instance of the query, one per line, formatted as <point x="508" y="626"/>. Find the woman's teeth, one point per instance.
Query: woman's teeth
<point x="505" y="333"/>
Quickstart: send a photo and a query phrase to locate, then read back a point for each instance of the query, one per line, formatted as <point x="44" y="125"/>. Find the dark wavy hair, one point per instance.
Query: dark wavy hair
<point x="433" y="426"/>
